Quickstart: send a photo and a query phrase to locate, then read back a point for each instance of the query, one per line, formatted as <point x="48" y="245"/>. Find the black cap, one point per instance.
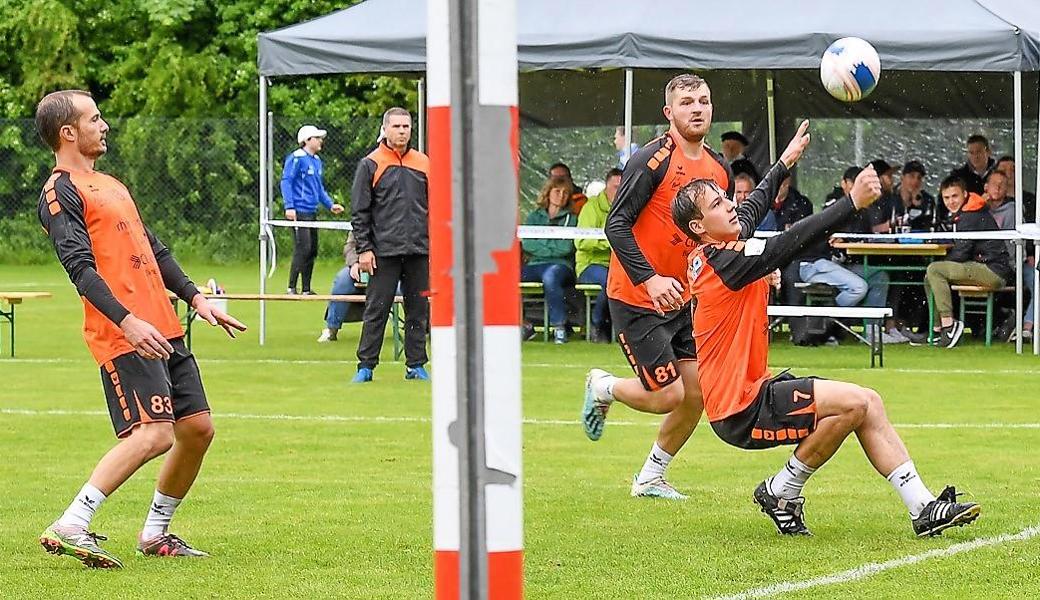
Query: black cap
<point x="881" y="166"/>
<point x="735" y="135"/>
<point x="914" y="166"/>
<point x="851" y="173"/>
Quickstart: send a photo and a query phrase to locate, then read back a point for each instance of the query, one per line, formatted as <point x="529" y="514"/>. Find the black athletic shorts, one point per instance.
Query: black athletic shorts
<point x="652" y="343"/>
<point x="140" y="390"/>
<point x="784" y="412"/>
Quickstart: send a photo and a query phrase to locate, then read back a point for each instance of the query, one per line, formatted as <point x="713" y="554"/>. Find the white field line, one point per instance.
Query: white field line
<point x="869" y="569"/>
<point x="619" y="368"/>
<point x="405" y="419"/>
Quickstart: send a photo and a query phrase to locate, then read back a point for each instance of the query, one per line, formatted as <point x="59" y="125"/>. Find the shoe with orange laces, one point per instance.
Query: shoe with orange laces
<point x="167" y="544"/>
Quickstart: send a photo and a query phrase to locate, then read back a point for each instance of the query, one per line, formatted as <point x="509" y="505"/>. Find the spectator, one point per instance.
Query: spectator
<point x="344" y="284"/>
<point x="562" y="171"/>
<point x="593" y="256"/>
<point x="1006" y="165"/>
<point x="1000" y="205"/>
<point x="550" y="261"/>
<point x="302" y="191"/>
<point x="975" y="262"/>
<point x="973" y="173"/>
<point x="917" y="207"/>
<point x="733" y="146"/>
<point x="390" y="225"/>
<point x="888" y="207"/>
<point x="788" y="207"/>
<point x="619" y="145"/>
<point x="743" y="183"/>
<point x="1003" y="211"/>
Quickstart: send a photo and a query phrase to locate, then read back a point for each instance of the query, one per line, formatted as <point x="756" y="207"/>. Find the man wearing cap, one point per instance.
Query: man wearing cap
<point x="888" y="207"/>
<point x="733" y="145"/>
<point x="302" y="192"/>
<point x="918" y="206"/>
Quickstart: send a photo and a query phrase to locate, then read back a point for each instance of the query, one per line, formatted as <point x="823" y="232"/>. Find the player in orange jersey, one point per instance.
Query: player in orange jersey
<point x="649" y="304"/>
<point x="151" y="380"/>
<point x="750" y="408"/>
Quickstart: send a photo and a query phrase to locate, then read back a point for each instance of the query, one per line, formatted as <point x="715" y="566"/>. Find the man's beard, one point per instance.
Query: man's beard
<point x="688" y="134"/>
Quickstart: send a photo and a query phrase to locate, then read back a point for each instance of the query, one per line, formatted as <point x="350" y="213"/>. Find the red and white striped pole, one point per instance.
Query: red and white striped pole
<point x="475" y="302"/>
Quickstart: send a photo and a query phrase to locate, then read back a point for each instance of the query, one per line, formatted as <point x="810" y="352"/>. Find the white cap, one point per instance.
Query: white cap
<point x="308" y="131"/>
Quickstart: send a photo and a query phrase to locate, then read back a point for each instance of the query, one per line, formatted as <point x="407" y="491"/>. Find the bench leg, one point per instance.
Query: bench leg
<point x="545" y="318"/>
<point x="931" y="314"/>
<point x="588" y="318"/>
<point x="989" y="319"/>
<point x="396" y="324"/>
<point x="9" y="317"/>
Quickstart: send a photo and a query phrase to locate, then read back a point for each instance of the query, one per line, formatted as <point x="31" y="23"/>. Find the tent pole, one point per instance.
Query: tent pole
<point x="1036" y="244"/>
<point x="771" y="110"/>
<point x="1018" y="211"/>
<point x="629" y="92"/>
<point x="420" y="113"/>
<point x="263" y="201"/>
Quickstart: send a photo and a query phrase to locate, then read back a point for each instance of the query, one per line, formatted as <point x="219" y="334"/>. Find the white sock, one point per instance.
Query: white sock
<point x="83" y="507"/>
<point x="604" y="387"/>
<point x="790" y="480"/>
<point x="910" y="488"/>
<point x="159" y="515"/>
<point x="656" y="462"/>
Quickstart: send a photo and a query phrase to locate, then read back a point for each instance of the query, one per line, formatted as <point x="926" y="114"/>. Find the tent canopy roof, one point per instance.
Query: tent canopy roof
<point x="387" y="36"/>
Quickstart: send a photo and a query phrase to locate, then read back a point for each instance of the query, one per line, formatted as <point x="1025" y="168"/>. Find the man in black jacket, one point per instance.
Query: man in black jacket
<point x="975" y="262"/>
<point x="390" y="220"/>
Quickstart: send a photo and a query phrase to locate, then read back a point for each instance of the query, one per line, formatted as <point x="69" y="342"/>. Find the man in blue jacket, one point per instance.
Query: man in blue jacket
<point x="302" y="191"/>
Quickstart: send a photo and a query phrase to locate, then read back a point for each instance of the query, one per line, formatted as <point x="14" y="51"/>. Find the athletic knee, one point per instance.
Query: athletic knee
<point x="671" y="396"/>
<point x="152" y="440"/>
<point x="198" y="431"/>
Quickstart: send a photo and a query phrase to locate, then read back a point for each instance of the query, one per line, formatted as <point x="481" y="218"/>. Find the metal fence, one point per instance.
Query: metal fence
<point x="195" y="180"/>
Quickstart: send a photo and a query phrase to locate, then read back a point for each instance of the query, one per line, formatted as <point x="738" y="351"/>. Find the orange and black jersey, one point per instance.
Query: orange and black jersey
<point x="116" y="264"/>
<point x="642" y="235"/>
<point x="730" y="323"/>
<point x="389" y="204"/>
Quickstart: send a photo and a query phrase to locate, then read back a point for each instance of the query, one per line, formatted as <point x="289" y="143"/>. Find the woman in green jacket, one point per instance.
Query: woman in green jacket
<point x="593" y="256"/>
<point x="552" y="261"/>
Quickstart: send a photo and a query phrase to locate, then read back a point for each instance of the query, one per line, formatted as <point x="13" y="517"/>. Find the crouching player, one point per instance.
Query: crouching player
<point x="749" y="408"/>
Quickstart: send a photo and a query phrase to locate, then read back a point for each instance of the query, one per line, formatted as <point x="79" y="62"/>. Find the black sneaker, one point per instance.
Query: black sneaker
<point x="945" y="512"/>
<point x="949" y="336"/>
<point x="308" y="293"/>
<point x="527" y="332"/>
<point x="786" y="514"/>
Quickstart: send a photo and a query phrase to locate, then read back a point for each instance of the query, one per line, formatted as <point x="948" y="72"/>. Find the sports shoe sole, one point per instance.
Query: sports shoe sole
<point x="958" y="331"/>
<point x="89" y="559"/>
<point x="962" y="519"/>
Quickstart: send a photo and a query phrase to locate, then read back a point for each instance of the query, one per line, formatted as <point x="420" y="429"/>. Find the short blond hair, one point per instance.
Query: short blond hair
<point x="687" y="81"/>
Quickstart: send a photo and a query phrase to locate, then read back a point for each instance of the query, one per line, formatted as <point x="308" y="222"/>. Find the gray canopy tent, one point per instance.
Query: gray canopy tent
<point x="764" y="57"/>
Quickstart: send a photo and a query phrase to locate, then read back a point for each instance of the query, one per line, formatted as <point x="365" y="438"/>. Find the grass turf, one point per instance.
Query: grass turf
<point x="332" y="503"/>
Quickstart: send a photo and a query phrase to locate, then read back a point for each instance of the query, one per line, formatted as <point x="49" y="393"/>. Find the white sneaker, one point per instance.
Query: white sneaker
<point x="596" y="403"/>
<point x="656" y="488"/>
<point x="326" y="336"/>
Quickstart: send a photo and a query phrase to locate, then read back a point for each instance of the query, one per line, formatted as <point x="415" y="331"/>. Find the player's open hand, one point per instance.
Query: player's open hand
<point x="797" y="145"/>
<point x="337" y="209"/>
<point x="866" y="189"/>
<point x="145" y="338"/>
<point x="665" y="293"/>
<point x="216" y="317"/>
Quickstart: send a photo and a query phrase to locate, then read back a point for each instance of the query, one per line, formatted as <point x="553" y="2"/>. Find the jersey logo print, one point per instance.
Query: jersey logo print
<point x="695" y="268"/>
<point x="754" y="247"/>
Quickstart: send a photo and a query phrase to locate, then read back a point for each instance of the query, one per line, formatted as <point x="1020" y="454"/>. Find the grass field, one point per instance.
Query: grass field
<point x="316" y="488"/>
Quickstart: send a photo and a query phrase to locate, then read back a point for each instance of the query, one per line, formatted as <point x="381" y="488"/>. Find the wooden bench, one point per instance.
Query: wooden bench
<point x="12" y="299"/>
<point x="534" y="290"/>
<point x="979" y="300"/>
<point x="872" y="319"/>
<point x="355" y="298"/>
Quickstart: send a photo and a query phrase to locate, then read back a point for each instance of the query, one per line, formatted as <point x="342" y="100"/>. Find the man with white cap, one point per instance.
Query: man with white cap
<point x="302" y="192"/>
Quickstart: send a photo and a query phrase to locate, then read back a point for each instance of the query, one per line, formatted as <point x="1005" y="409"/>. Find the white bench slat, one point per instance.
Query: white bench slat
<point x="838" y="312"/>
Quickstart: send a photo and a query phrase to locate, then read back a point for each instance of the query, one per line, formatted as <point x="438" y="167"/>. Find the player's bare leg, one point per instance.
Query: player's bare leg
<point x="843" y="408"/>
<point x="193" y="437"/>
<point x="602" y="389"/>
<point x="69" y="534"/>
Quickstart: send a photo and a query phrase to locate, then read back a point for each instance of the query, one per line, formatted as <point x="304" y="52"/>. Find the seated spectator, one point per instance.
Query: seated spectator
<point x="888" y="207"/>
<point x="973" y="173"/>
<point x="917" y="207"/>
<point x="1006" y="165"/>
<point x="577" y="197"/>
<point x="549" y="261"/>
<point x="619" y="145"/>
<point x="1001" y="205"/>
<point x="788" y="207"/>
<point x="593" y="256"/>
<point x="734" y="144"/>
<point x="743" y="183"/>
<point x="344" y="284"/>
<point x="969" y="262"/>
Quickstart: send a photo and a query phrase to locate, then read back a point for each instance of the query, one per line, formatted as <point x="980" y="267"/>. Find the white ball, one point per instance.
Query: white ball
<point x="850" y="69"/>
